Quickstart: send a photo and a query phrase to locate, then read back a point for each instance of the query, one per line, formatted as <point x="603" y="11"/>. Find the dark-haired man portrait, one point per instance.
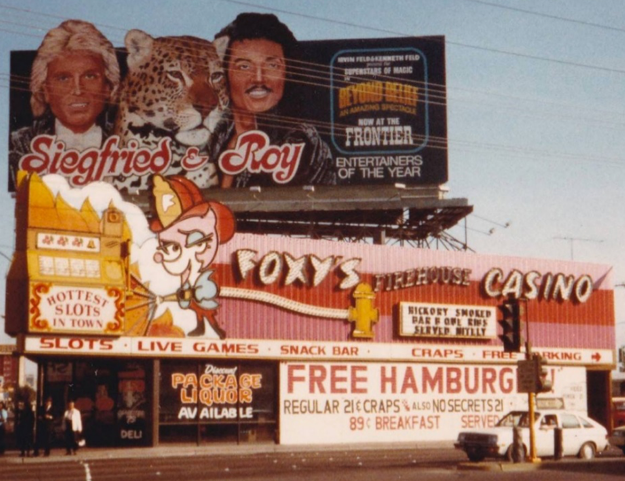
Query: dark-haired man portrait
<point x="259" y="55"/>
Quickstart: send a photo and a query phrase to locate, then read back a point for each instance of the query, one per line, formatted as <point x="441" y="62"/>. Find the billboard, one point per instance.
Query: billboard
<point x="253" y="107"/>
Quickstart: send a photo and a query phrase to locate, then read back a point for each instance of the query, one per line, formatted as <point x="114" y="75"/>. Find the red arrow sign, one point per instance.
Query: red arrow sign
<point x="596" y="357"/>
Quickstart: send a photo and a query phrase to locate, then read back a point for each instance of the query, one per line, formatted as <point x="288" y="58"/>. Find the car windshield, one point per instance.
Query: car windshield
<point x="516" y="418"/>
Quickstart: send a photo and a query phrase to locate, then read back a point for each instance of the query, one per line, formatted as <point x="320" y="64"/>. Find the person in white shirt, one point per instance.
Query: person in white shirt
<point x="4" y="416"/>
<point x="72" y="425"/>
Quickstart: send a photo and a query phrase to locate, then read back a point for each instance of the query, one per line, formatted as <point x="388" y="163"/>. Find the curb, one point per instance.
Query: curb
<point x="495" y="466"/>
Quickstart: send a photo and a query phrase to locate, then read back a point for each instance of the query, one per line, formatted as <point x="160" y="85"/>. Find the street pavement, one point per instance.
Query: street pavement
<point x="227" y="449"/>
<point x="434" y="456"/>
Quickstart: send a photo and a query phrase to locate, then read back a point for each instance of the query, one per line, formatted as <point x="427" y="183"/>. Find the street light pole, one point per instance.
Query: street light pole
<point x="531" y="396"/>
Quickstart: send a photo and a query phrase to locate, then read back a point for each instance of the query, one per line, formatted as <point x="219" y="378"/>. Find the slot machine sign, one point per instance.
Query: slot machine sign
<point x="70" y="276"/>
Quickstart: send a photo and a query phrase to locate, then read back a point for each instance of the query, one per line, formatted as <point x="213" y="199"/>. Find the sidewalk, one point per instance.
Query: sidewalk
<point x="569" y="463"/>
<point x="225" y="449"/>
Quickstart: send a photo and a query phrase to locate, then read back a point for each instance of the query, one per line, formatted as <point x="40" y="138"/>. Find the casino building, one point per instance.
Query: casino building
<point x="345" y="342"/>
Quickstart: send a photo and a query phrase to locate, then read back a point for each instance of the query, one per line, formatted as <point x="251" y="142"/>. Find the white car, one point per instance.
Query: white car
<point x="581" y="436"/>
<point x="617" y="438"/>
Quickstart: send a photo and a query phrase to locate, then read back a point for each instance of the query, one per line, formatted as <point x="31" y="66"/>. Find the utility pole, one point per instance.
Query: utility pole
<point x="531" y="396"/>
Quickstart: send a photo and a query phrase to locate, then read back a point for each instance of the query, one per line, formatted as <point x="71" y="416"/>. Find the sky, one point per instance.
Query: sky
<point x="535" y="105"/>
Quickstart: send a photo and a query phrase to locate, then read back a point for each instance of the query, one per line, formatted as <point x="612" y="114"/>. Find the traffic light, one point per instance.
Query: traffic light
<point x="543" y="384"/>
<point x="511" y="325"/>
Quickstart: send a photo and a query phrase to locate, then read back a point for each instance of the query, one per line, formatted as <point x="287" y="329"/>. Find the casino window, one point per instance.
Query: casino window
<point x="217" y="401"/>
<point x="112" y="396"/>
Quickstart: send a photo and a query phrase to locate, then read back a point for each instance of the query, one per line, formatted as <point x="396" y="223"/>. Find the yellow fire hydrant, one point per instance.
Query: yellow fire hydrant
<point x="363" y="315"/>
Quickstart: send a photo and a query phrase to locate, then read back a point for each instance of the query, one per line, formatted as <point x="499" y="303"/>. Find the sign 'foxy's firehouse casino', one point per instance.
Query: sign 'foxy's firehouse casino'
<point x="166" y="324"/>
<point x="349" y="342"/>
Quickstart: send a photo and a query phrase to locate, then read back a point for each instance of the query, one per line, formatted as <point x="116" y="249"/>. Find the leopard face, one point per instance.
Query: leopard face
<point x="175" y="87"/>
<point x="175" y="84"/>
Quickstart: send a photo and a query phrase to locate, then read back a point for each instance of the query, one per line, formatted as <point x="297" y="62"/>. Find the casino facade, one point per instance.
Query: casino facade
<point x="322" y="341"/>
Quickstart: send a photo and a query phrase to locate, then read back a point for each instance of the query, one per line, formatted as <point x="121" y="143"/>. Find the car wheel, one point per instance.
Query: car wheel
<point x="510" y="454"/>
<point x="475" y="456"/>
<point x="587" y="451"/>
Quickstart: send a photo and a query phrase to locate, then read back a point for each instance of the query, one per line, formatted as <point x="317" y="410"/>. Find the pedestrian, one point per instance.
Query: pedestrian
<point x="24" y="426"/>
<point x="4" y="416"/>
<point x="45" y="428"/>
<point x="72" y="425"/>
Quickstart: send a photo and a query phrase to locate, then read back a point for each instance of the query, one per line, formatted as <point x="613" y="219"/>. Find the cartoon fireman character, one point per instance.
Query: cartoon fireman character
<point x="190" y="230"/>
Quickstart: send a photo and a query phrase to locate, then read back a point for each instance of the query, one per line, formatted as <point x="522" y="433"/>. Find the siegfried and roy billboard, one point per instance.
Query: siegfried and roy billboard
<point x="251" y="107"/>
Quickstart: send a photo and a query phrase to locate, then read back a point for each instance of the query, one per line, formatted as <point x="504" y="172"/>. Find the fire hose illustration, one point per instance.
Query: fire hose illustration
<point x="142" y="304"/>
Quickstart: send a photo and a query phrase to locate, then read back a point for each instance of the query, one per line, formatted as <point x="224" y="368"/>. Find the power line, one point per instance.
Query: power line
<point x="392" y="32"/>
<point x="323" y="71"/>
<point x="447" y="41"/>
<point x="489" y="232"/>
<point x="549" y="16"/>
<point x="505" y="226"/>
<point x="437" y="143"/>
